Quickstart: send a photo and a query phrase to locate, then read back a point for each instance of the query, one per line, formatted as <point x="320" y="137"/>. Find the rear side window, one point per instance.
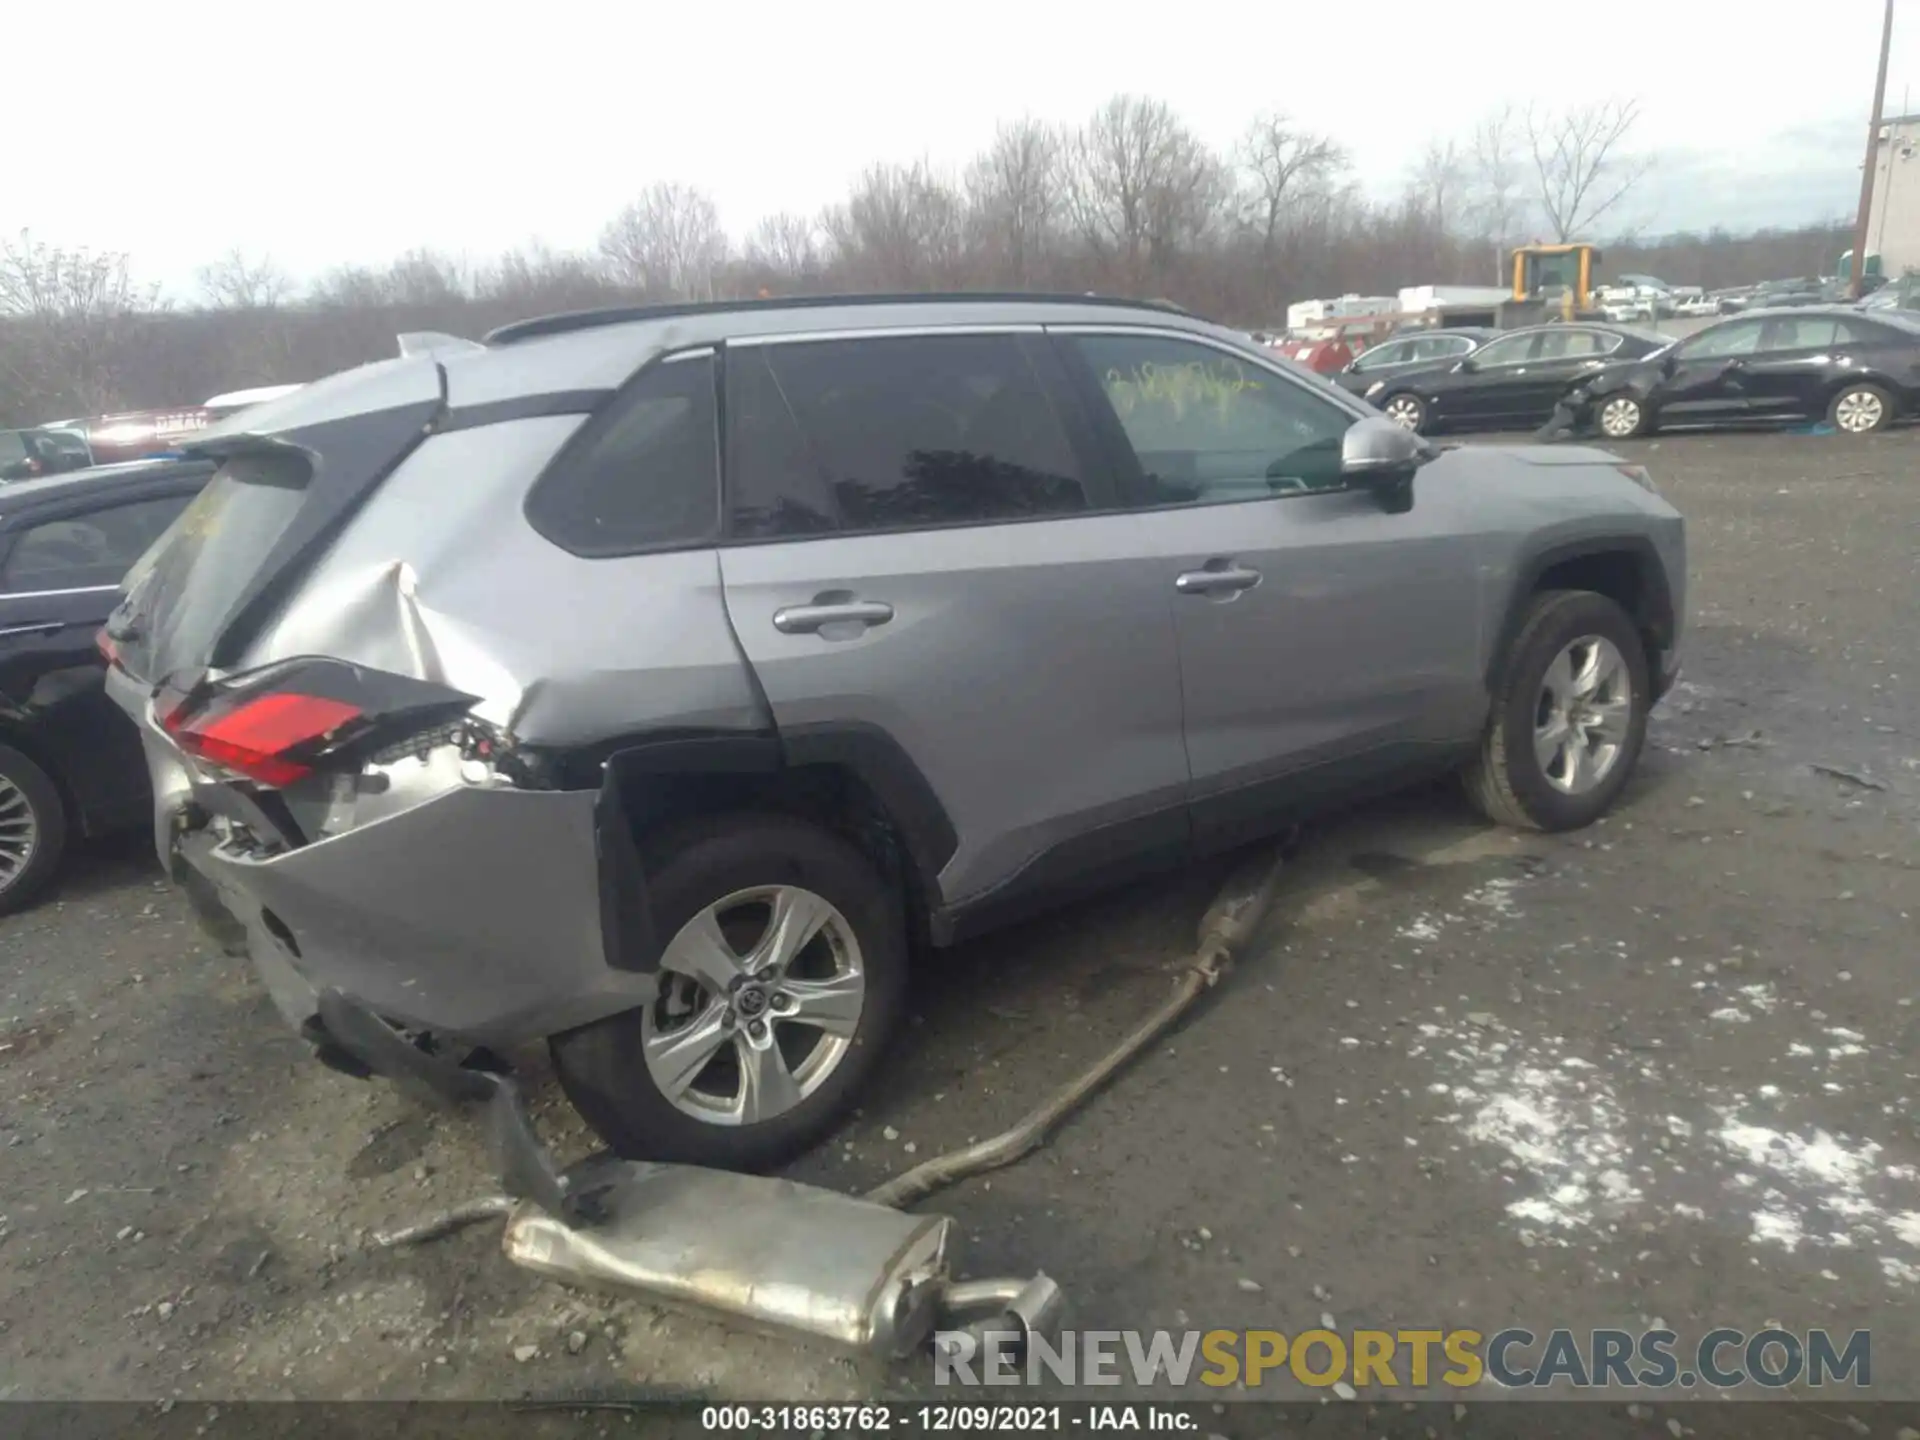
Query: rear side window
<point x="646" y="475"/>
<point x="888" y="434"/>
<point x="90" y="550"/>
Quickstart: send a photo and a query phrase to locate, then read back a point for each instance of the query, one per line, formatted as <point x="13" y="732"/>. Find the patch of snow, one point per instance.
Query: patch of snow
<point x="1495" y="895"/>
<point x="1729" y="1013"/>
<point x="1423" y="928"/>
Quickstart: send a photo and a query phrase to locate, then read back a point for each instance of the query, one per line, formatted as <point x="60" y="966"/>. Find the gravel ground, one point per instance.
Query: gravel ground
<point x="1657" y="1071"/>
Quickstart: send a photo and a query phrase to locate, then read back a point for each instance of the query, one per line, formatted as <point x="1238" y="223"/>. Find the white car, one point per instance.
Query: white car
<point x="1624" y="310"/>
<point x="1696" y="306"/>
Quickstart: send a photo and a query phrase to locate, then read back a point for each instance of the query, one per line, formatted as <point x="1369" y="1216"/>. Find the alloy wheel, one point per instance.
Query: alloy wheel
<point x="1620" y="417"/>
<point x="1859" y="411"/>
<point x="761" y="993"/>
<point x="19" y="832"/>
<point x="1404" y="410"/>
<point x="1582" y="715"/>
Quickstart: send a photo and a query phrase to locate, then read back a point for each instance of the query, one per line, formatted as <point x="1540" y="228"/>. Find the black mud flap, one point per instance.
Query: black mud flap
<point x="626" y="919"/>
<point x="526" y="1167"/>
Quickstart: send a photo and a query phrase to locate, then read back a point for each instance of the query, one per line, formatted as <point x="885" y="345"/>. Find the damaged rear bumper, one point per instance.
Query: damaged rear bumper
<point x="476" y="914"/>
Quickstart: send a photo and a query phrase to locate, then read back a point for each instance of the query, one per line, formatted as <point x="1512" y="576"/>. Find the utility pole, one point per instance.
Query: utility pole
<point x="1859" y="276"/>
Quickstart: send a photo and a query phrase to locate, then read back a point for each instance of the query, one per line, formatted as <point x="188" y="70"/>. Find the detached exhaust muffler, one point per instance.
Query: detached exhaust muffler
<point x="772" y="1255"/>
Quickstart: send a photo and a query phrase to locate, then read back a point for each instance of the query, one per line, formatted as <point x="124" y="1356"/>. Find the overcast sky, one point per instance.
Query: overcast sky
<point x="348" y="131"/>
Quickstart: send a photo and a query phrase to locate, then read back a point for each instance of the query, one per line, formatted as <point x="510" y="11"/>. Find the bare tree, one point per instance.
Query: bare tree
<point x="237" y="282"/>
<point x="900" y="229"/>
<point x="422" y="279"/>
<point x="1140" y="186"/>
<point x="43" y="281"/>
<point x="1496" y="204"/>
<point x="1013" y="196"/>
<point x="69" y="320"/>
<point x="350" y="287"/>
<point x="1280" y="167"/>
<point x="538" y="277"/>
<point x="1577" y="163"/>
<point x="789" y="245"/>
<point x="1435" y="184"/>
<point x="667" y="244"/>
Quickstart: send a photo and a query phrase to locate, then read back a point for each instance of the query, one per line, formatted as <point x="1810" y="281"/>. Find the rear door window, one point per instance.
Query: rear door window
<point x="896" y="433"/>
<point x="1817" y="332"/>
<point x="1513" y="350"/>
<point x="89" y="550"/>
<point x="1393" y="352"/>
<point x="1575" y="344"/>
<point x="643" y="476"/>
<point x="1742" y="337"/>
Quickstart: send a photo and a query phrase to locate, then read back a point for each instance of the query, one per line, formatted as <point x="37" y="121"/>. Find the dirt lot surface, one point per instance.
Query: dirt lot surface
<point x="1658" y="1071"/>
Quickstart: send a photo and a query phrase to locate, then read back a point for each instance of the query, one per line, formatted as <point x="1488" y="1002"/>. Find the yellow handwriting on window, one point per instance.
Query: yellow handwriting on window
<point x="1182" y="389"/>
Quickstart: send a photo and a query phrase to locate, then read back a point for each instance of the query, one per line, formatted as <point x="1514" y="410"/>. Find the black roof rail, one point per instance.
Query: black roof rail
<point x="621" y="314"/>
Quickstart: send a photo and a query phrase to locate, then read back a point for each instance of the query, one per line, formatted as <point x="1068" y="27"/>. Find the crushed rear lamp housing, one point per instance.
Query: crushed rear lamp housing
<point x="259" y="737"/>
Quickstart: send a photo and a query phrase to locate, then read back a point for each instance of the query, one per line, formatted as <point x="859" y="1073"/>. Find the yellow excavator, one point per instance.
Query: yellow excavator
<point x="1555" y="281"/>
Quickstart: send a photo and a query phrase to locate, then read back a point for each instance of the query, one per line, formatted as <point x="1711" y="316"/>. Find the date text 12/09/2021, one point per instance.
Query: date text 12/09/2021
<point x="938" y="1419"/>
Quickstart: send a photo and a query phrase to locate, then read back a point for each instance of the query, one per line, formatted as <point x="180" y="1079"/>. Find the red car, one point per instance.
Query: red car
<point x="1325" y="357"/>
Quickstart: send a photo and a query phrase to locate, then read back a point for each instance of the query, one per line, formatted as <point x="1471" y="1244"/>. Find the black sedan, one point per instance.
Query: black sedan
<point x="1513" y="381"/>
<point x="70" y="761"/>
<point x="27" y="454"/>
<point x="1857" y="370"/>
<point x="1373" y="367"/>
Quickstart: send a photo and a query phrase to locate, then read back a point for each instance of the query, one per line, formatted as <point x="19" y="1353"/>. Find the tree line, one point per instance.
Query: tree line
<point x="1131" y="201"/>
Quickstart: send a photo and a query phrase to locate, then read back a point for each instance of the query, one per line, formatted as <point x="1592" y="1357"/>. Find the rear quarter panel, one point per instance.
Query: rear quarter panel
<point x="440" y="576"/>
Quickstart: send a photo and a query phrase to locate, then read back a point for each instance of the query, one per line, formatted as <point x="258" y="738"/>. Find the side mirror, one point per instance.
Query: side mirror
<point x="1381" y="455"/>
<point x="1464" y="366"/>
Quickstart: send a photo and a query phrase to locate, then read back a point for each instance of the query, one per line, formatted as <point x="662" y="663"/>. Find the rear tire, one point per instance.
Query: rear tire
<point x="1860" y="409"/>
<point x="1541" y="765"/>
<point x="33" y="830"/>
<point x="629" y="1075"/>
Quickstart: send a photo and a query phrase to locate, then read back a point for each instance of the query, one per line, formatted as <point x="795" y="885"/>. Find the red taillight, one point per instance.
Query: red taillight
<point x="109" y="651"/>
<point x="254" y="737"/>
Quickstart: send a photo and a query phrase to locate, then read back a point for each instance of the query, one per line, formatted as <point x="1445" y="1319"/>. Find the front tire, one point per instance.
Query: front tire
<point x="1860" y="409"/>
<point x="1569" y="716"/>
<point x="33" y="830"/>
<point x="1407" y="410"/>
<point x="783" y="976"/>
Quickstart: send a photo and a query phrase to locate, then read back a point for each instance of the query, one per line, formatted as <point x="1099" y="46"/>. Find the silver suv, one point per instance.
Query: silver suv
<point x="654" y="682"/>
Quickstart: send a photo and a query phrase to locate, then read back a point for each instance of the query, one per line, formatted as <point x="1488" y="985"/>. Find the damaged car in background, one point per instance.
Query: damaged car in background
<point x="1852" y="369"/>
<point x="654" y="683"/>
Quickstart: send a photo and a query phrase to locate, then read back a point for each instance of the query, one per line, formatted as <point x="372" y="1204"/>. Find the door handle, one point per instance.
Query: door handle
<point x="810" y="619"/>
<point x="45" y="627"/>
<point x="1229" y="579"/>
